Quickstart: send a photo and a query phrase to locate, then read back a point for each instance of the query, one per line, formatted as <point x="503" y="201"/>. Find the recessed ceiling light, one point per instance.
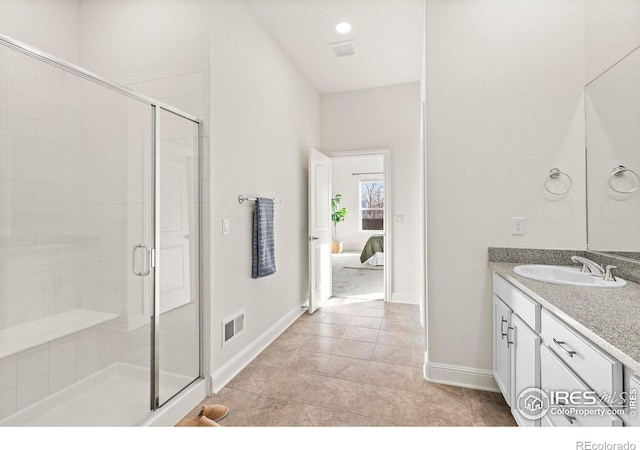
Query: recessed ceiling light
<point x="343" y="27"/>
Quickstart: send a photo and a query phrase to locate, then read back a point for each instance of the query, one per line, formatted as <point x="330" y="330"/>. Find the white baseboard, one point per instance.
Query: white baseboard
<point x="229" y="370"/>
<point x="399" y="297"/>
<point x="460" y="376"/>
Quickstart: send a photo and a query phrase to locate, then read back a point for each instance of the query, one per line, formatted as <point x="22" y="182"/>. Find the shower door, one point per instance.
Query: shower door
<point x="99" y="247"/>
<point x="177" y="304"/>
<point x="76" y="232"/>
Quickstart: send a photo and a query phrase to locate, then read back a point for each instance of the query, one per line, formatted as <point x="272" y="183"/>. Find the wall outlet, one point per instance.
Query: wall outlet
<point x="518" y="225"/>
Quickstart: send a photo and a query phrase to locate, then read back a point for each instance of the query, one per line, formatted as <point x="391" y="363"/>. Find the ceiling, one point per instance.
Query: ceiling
<point x="387" y="34"/>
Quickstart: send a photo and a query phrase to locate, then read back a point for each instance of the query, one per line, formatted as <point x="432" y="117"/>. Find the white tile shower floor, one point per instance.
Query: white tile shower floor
<point x="116" y="396"/>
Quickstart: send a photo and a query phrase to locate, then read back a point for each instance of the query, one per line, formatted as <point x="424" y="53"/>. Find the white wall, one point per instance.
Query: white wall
<point x="265" y="115"/>
<point x="52" y="26"/>
<point x="131" y="38"/>
<point x="345" y="183"/>
<point x="386" y="117"/>
<point x="611" y="32"/>
<point x="504" y="105"/>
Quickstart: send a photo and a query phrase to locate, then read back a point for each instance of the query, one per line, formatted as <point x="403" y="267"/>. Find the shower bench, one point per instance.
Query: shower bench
<point x="23" y="337"/>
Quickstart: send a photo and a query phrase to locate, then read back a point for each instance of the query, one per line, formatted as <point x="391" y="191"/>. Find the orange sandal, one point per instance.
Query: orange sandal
<point x="214" y="412"/>
<point x="199" y="421"/>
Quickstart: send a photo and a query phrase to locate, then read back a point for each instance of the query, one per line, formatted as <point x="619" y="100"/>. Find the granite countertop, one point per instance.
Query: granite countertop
<point x="609" y="318"/>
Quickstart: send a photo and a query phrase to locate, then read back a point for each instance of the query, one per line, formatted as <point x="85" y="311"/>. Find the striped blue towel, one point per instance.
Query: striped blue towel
<point x="264" y="256"/>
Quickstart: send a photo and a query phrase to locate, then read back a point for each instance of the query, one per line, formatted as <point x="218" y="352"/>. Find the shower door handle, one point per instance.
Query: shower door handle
<point x="148" y="259"/>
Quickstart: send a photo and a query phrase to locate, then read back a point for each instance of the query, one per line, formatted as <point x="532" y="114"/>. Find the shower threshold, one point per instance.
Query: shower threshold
<point x="116" y="396"/>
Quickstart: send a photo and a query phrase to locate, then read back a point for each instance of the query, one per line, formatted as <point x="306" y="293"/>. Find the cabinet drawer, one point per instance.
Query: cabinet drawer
<point x="523" y="306"/>
<point x="597" y="369"/>
<point x="556" y="376"/>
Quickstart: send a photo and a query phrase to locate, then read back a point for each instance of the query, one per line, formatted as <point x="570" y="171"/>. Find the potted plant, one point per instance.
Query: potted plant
<point x="337" y="215"/>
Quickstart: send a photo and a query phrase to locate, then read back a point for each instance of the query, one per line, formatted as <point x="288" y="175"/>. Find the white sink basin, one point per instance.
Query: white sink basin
<point x="566" y="275"/>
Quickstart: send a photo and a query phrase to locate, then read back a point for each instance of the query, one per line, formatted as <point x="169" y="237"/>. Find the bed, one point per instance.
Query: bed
<point x="373" y="251"/>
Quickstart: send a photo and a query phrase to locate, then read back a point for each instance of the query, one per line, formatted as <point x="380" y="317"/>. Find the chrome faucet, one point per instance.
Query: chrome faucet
<point x="608" y="273"/>
<point x="589" y="266"/>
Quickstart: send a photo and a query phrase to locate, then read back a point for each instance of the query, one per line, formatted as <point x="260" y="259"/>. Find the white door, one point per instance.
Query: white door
<point x="319" y="229"/>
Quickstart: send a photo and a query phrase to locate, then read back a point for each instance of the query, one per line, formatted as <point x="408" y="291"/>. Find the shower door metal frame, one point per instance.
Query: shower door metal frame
<point x="156" y="260"/>
<point x="155" y="163"/>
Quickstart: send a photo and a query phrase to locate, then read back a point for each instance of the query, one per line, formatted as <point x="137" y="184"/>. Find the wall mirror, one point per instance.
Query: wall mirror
<point x="612" y="102"/>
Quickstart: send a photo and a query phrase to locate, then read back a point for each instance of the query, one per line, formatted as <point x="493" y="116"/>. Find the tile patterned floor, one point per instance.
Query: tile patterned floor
<point x="352" y="363"/>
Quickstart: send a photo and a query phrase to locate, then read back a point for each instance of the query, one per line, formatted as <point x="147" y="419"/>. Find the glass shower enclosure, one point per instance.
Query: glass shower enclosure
<point x="100" y="307"/>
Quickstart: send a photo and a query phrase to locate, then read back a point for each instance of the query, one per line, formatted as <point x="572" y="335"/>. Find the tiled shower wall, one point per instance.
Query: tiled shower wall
<point x="67" y="219"/>
<point x="39" y="224"/>
<point x="39" y="265"/>
<point x="114" y="201"/>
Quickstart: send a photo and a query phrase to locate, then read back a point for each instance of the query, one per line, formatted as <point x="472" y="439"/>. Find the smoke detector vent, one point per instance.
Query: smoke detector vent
<point x="232" y="327"/>
<point x="344" y="48"/>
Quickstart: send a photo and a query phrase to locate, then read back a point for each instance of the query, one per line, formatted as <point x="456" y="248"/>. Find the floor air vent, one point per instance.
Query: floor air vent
<point x="231" y="327"/>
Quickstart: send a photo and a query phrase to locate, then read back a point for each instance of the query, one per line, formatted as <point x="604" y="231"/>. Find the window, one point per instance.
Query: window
<point x="371" y="205"/>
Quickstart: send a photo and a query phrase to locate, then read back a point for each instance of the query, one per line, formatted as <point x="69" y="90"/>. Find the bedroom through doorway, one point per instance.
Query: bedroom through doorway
<point x="359" y="260"/>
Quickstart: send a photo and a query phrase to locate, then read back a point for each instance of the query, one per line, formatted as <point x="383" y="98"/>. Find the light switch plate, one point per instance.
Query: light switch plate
<point x="225" y="227"/>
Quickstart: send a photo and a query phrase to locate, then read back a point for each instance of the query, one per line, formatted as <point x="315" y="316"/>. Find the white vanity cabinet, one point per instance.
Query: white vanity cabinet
<point x="516" y="344"/>
<point x="534" y="348"/>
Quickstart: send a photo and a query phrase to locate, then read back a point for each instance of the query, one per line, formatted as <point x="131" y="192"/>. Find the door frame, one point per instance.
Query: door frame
<point x="388" y="208"/>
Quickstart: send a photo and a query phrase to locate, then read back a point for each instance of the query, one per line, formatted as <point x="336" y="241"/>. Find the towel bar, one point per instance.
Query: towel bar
<point x="242" y="199"/>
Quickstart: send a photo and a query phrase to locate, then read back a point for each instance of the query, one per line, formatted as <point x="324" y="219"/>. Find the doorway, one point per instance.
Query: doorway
<point x="358" y="250"/>
<point x="357" y="266"/>
<point x="361" y="267"/>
